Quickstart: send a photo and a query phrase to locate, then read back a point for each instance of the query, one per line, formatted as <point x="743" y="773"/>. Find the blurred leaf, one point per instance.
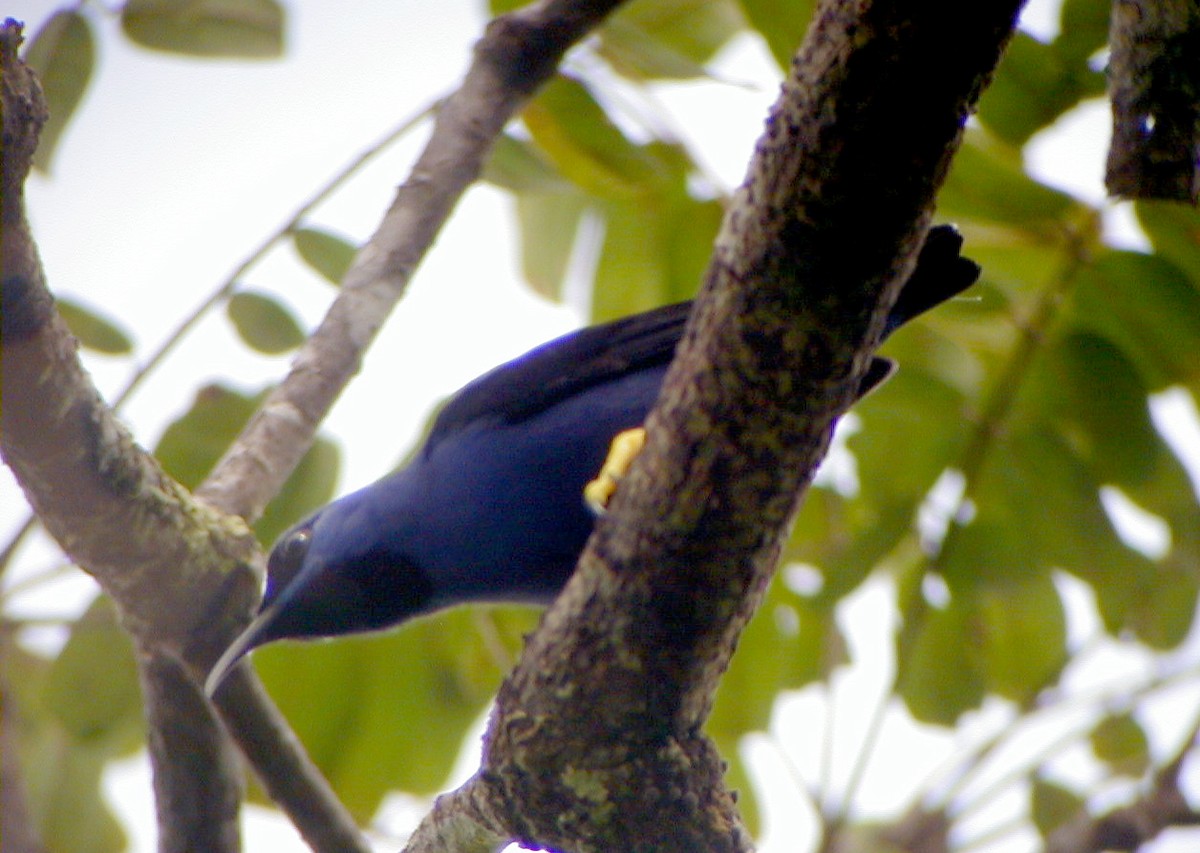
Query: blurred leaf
<point x="939" y="672"/>
<point x="77" y="713"/>
<point x="1120" y="742"/>
<point x="329" y="255"/>
<point x="987" y="184"/>
<point x="782" y="24"/>
<point x="648" y="39"/>
<point x="263" y="324"/>
<point x="1174" y="229"/>
<point x="389" y="711"/>
<point x="94" y="331"/>
<point x="230" y="29"/>
<point x="194" y="442"/>
<point x="655" y="251"/>
<point x="92" y="687"/>
<point x="918" y="412"/>
<point x="637" y="55"/>
<point x="1147" y="306"/>
<point x="695" y="29"/>
<point x="1052" y="805"/>
<point x="1084" y="28"/>
<point x="64" y="785"/>
<point x="549" y="223"/>
<point x="574" y="131"/>
<point x="63" y="55"/>
<point x="1033" y="86"/>
<point x="1023" y="632"/>
<point x="1096" y="399"/>
<point x="516" y="165"/>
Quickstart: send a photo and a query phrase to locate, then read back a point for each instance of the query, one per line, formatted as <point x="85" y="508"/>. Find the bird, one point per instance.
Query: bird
<point x="492" y="507"/>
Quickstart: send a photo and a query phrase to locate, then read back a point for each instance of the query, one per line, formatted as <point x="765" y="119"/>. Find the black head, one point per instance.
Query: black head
<point x="318" y="587"/>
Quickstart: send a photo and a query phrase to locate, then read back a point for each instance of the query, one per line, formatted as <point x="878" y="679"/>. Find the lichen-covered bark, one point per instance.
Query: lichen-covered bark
<point x="596" y="743"/>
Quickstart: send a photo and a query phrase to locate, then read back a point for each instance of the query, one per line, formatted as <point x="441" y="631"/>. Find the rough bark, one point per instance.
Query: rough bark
<point x="596" y="741"/>
<point x="1154" y="82"/>
<point x="154" y="548"/>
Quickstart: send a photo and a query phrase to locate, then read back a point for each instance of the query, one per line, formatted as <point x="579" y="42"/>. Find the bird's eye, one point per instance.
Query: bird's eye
<point x="285" y="561"/>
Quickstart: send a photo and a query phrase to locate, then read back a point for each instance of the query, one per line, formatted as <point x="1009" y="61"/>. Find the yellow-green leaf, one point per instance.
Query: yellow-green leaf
<point x="1052" y="805"/>
<point x="329" y="255"/>
<point x="63" y="55"/>
<point x="263" y="323"/>
<point x="1120" y="742"/>
<point x="94" y="331"/>
<point x="231" y="29"/>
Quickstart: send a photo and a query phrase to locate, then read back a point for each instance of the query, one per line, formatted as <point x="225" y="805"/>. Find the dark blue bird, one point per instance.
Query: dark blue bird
<point x="491" y="508"/>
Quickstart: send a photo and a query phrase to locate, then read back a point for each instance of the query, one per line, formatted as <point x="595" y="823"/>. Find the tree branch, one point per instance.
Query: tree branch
<point x="595" y="743"/>
<point x="76" y="461"/>
<point x="1154" y="82"/>
<point x="517" y="54"/>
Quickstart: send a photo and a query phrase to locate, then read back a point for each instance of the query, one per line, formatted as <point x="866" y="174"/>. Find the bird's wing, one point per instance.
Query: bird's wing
<point x="592" y="356"/>
<point x="565" y="366"/>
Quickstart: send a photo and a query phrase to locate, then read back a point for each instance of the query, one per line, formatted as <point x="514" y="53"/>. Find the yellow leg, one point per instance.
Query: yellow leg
<point x="625" y="446"/>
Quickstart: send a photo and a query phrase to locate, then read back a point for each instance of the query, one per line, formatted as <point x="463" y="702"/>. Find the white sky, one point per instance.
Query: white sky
<point x="174" y="170"/>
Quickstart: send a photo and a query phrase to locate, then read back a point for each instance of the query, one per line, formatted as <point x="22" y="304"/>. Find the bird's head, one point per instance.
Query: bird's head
<point x="328" y="576"/>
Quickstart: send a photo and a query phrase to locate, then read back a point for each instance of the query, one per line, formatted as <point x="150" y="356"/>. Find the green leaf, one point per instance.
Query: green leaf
<point x="915" y="409"/>
<point x="263" y="323"/>
<point x="693" y="29"/>
<point x="92" y="687"/>
<point x="572" y="129"/>
<point x="940" y="676"/>
<point x="518" y="166"/>
<point x="987" y="184"/>
<point x="781" y="23"/>
<point x="1174" y="229"/>
<point x="1084" y="28"/>
<point x="329" y="255"/>
<point x="64" y="782"/>
<point x="1033" y="86"/>
<point x="1095" y="398"/>
<point x="1023" y="632"/>
<point x="83" y="710"/>
<point x="1120" y="742"/>
<point x="193" y="443"/>
<point x="393" y="708"/>
<point x="94" y="331"/>
<point x="672" y="39"/>
<point x="1052" y="805"/>
<point x="231" y="29"/>
<point x="654" y="251"/>
<point x="63" y="55"/>
<point x="1145" y="305"/>
<point x="549" y="223"/>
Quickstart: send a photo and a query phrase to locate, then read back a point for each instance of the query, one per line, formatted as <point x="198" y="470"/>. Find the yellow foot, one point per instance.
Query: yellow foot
<point x="625" y="446"/>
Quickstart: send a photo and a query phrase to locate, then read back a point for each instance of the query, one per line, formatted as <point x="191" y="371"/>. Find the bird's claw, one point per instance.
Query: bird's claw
<point x="626" y="445"/>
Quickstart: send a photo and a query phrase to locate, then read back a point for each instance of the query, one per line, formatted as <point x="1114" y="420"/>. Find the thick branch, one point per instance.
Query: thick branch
<point x="596" y="742"/>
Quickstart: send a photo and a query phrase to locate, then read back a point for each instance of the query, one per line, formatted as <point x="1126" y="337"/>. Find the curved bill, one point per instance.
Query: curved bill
<point x="245" y="642"/>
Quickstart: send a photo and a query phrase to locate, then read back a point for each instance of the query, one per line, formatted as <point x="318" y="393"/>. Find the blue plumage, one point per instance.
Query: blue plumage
<point x="491" y="509"/>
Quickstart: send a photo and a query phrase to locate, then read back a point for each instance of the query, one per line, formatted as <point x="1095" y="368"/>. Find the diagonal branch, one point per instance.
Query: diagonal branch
<point x="76" y="462"/>
<point x="595" y="743"/>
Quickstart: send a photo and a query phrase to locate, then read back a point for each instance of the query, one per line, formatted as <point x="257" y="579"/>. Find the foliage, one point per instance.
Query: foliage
<point x="1031" y="394"/>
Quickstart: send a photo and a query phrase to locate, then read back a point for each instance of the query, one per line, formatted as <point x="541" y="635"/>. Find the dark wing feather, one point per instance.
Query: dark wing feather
<point x="592" y="356"/>
<point x="566" y="366"/>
